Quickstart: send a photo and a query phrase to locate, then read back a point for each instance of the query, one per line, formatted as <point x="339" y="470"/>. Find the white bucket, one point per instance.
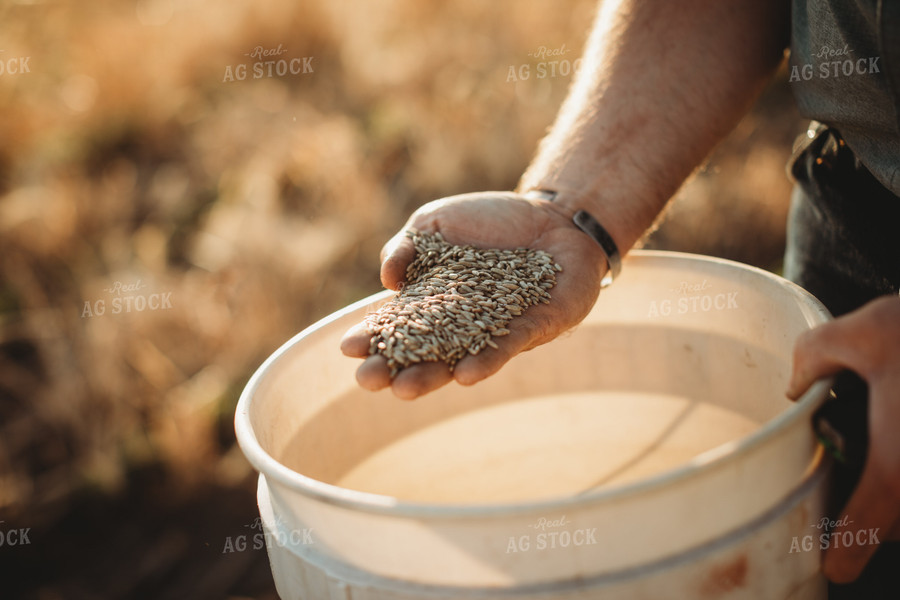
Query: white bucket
<point x="650" y="453"/>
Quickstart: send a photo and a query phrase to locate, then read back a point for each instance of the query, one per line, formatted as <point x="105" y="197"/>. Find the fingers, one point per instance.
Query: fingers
<point x="864" y="341"/>
<point x="408" y="384"/>
<point x="894" y="533"/>
<point x="872" y="514"/>
<point x="418" y="380"/>
<point x="873" y="511"/>
<point x="489" y="220"/>
<point x="355" y="342"/>
<point x="374" y="373"/>
<point x="821" y="352"/>
<point x="395" y="257"/>
<point x="472" y="369"/>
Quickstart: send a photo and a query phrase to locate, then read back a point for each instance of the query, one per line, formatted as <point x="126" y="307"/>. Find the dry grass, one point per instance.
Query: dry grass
<point x="258" y="206"/>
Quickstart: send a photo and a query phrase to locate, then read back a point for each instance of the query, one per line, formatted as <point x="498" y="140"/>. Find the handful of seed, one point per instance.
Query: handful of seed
<point x="455" y="299"/>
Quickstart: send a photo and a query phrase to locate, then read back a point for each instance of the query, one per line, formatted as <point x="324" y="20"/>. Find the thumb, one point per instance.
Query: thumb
<point x="396" y="255"/>
<point x="817" y="353"/>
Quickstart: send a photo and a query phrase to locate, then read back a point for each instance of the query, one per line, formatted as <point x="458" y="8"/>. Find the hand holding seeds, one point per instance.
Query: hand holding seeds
<point x="455" y="299"/>
<point x="458" y="318"/>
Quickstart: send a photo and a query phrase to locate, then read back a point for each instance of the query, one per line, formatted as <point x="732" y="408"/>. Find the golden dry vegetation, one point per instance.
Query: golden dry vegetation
<point x="255" y="207"/>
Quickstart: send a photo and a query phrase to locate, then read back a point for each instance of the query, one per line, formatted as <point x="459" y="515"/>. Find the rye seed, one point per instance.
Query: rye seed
<point x="455" y="299"/>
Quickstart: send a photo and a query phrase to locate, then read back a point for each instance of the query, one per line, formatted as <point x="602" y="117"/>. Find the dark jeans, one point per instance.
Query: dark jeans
<point x="843" y="229"/>
<point x="844" y="248"/>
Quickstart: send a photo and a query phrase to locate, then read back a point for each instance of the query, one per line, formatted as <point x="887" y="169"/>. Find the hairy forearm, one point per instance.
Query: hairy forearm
<point x="661" y="83"/>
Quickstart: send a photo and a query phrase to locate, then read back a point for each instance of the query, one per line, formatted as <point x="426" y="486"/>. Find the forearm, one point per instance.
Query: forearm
<point x="661" y="83"/>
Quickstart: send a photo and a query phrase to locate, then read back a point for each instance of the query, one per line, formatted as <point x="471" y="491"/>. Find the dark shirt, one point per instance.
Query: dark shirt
<point x="844" y="71"/>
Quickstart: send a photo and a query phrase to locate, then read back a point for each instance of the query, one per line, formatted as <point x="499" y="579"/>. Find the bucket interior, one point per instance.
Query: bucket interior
<point x="679" y="361"/>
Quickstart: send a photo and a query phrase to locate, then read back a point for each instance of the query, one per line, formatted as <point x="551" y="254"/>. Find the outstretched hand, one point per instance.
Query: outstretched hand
<point x="867" y="342"/>
<point x="502" y="220"/>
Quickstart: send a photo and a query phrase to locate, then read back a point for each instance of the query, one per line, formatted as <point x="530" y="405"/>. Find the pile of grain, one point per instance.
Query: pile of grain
<point x="455" y="299"/>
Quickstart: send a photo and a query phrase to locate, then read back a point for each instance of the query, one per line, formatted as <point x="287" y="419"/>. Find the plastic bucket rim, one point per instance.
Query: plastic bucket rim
<point x="727" y="539"/>
<point x="714" y="458"/>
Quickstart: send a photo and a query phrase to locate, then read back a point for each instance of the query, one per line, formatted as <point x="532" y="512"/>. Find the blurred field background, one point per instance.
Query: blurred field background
<point x="258" y="206"/>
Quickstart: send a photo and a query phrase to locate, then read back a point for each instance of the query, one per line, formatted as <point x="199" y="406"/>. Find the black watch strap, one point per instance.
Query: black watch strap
<point x="588" y="224"/>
